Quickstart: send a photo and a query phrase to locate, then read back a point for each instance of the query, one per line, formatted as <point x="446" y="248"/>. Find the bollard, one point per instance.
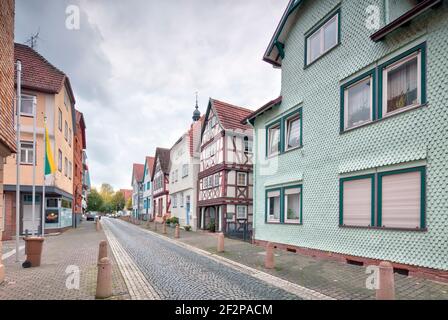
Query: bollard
<point x="155" y="225"/>
<point x="164" y="227"/>
<point x="177" y="231"/>
<point x="104" y="279"/>
<point x="102" y="252"/>
<point x="220" y="242"/>
<point x="269" y="261"/>
<point x="386" y="288"/>
<point x="97" y="225"/>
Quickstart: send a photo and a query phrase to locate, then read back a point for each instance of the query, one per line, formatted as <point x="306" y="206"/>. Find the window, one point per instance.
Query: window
<point x="26" y="153"/>
<point x="322" y="39"/>
<point x="248" y="145"/>
<point x="273" y="206"/>
<point x="181" y="199"/>
<point x="70" y="137"/>
<point x="292" y="204"/>
<point x="241" y="212"/>
<point x="65" y="166"/>
<point x="241" y="178"/>
<point x="27" y="106"/>
<point x="357" y="199"/>
<point x="401" y="199"/>
<point x="175" y="201"/>
<point x="274" y="140"/>
<point x="216" y="179"/>
<point x="66" y="100"/>
<point x="358" y="102"/>
<point x="210" y="182"/>
<point x="60" y="120"/>
<point x="184" y="170"/>
<point x="399" y="194"/>
<point x="148" y="185"/>
<point x="66" y="131"/>
<point x="292" y="132"/>
<point x="60" y="160"/>
<point x="402" y="84"/>
<point x="204" y="183"/>
<point x="70" y="170"/>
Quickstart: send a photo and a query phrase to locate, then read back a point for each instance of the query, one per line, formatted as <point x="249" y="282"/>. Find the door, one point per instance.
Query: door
<point x="187" y="209"/>
<point x="27" y="211"/>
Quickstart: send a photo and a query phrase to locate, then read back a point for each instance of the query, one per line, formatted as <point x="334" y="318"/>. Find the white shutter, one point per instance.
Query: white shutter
<point x="357" y="202"/>
<point x="401" y="200"/>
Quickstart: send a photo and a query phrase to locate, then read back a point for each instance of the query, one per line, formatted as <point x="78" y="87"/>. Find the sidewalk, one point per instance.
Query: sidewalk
<point x="77" y="247"/>
<point x="331" y="278"/>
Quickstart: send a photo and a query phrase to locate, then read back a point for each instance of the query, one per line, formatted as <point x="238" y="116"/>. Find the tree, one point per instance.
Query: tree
<point x="129" y="204"/>
<point x="118" y="201"/>
<point x="94" y="201"/>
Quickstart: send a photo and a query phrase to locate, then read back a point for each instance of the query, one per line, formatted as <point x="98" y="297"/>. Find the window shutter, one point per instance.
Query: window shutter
<point x="401" y="199"/>
<point x="357" y="202"/>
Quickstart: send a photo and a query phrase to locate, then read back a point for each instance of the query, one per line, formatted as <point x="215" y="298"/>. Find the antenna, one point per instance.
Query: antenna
<point x="32" y="41"/>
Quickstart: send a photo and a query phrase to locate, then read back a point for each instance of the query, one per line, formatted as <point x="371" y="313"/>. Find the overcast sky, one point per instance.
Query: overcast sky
<point x="135" y="66"/>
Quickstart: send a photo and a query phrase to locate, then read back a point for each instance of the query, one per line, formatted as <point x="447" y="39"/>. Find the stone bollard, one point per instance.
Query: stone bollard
<point x="386" y="283"/>
<point x="220" y="242"/>
<point x="104" y="279"/>
<point x="102" y="252"/>
<point x="177" y="231"/>
<point x="98" y="226"/>
<point x="269" y="260"/>
<point x="164" y="228"/>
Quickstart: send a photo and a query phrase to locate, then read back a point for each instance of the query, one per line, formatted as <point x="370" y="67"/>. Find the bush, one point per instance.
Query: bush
<point x="187" y="228"/>
<point x="174" y="220"/>
<point x="211" y="227"/>
<point x="168" y="220"/>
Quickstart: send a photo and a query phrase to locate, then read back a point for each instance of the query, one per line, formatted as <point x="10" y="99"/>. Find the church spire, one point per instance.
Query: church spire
<point x="196" y="112"/>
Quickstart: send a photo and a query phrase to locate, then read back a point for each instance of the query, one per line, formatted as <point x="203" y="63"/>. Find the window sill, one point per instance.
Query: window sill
<point x="273" y="222"/>
<point x="384" y="228"/>
<point x="391" y="115"/>
<point x="297" y="223"/>
<point x="284" y="152"/>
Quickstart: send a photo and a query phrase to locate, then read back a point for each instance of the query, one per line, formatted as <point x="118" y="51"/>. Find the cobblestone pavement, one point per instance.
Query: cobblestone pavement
<point x="77" y="247"/>
<point x="176" y="273"/>
<point x="331" y="278"/>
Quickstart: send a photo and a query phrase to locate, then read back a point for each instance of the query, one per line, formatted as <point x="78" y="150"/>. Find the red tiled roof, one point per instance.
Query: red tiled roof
<point x="164" y="157"/>
<point x="263" y="109"/>
<point x="39" y="74"/>
<point x="150" y="164"/>
<point x="137" y="171"/>
<point x="230" y="116"/>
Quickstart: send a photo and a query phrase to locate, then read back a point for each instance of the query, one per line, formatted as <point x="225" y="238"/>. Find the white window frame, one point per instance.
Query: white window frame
<point x="271" y="217"/>
<point x="287" y="131"/>
<point x="216" y="178"/>
<point x="66" y="130"/>
<point x="248" y="145"/>
<point x="276" y="126"/>
<point x="28" y="98"/>
<point x="321" y="33"/>
<point x="299" y="194"/>
<point x="245" y="179"/>
<point x="185" y="170"/>
<point x="238" y="217"/>
<point x="27" y="159"/>
<point x="394" y="66"/>
<point x="370" y="79"/>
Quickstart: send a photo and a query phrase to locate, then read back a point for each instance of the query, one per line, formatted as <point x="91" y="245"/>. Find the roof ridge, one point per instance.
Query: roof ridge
<point x="232" y="105"/>
<point x="41" y="57"/>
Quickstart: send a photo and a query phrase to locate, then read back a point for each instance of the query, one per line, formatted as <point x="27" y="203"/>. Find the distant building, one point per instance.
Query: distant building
<point x="56" y="102"/>
<point x="79" y="147"/>
<point x="160" y="182"/>
<point x="225" y="176"/>
<point x="137" y="190"/>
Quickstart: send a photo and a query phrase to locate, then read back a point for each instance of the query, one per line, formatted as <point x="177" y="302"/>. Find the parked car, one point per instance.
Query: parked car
<point x="90" y="216"/>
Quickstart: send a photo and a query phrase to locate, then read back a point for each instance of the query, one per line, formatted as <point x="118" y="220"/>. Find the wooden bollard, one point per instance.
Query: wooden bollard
<point x="386" y="288"/>
<point x="269" y="260"/>
<point x="177" y="231"/>
<point x="102" y="252"/>
<point x="104" y="279"/>
<point x="164" y="228"/>
<point x="220" y="247"/>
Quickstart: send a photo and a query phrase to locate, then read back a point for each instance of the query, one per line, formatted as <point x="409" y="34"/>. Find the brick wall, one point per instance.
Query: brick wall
<point x="77" y="170"/>
<point x="7" y="136"/>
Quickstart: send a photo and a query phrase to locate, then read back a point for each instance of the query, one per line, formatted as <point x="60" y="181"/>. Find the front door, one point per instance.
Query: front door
<point x="27" y="209"/>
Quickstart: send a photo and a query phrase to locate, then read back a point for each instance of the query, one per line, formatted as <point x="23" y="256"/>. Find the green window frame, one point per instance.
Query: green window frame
<point x="316" y="28"/>
<point x="282" y="218"/>
<point x="282" y="124"/>
<point x="341" y="197"/>
<point x="377" y="187"/>
<point x="377" y="77"/>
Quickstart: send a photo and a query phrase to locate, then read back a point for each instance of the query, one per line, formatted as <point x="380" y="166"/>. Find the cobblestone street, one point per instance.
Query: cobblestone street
<point x="176" y="273"/>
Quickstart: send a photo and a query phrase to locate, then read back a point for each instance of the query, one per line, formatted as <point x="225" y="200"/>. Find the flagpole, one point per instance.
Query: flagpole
<point x="43" y="186"/>
<point x="33" y="230"/>
<point x="18" y="156"/>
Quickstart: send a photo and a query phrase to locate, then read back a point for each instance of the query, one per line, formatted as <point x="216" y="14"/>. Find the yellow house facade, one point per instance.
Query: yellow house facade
<point x="54" y="108"/>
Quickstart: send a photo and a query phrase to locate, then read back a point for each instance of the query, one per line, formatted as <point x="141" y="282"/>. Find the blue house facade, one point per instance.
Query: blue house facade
<point x="352" y="158"/>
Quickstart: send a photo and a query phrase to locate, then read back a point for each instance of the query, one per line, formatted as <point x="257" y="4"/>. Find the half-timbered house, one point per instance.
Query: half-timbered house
<point x="225" y="180"/>
<point x="160" y="190"/>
